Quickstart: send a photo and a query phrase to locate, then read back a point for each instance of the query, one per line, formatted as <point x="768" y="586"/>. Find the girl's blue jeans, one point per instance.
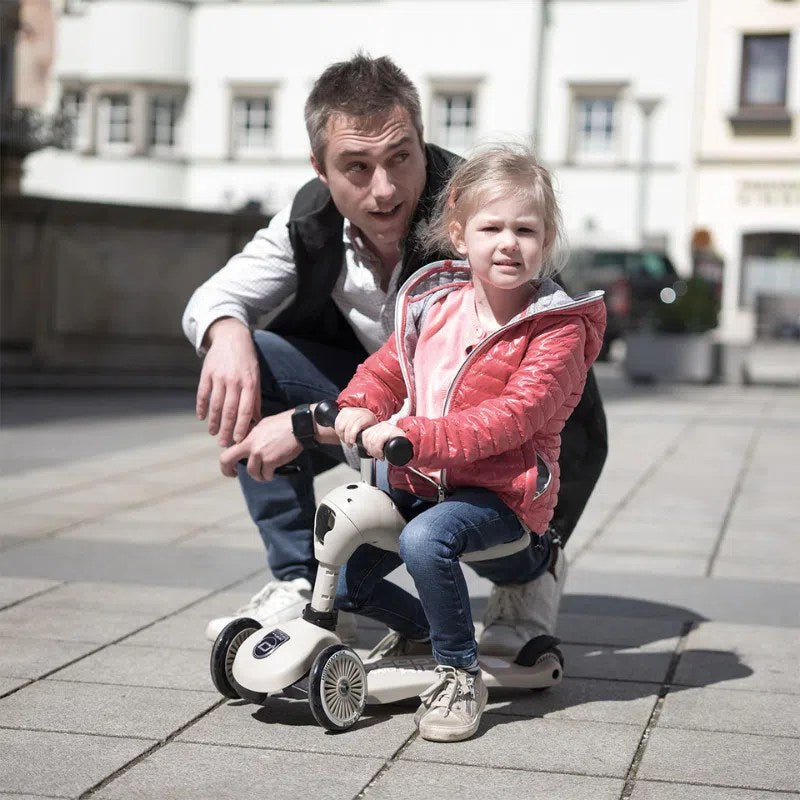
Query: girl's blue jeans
<point x="430" y="544"/>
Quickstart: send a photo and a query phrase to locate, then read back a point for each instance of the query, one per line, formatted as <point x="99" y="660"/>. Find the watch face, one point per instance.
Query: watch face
<point x="303" y="425"/>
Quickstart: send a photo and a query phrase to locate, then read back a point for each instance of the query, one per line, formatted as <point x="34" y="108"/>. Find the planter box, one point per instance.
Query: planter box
<point x="691" y="357"/>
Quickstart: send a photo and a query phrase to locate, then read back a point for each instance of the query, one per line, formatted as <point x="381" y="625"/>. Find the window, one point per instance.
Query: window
<point x="73" y="106"/>
<point x="595" y="128"/>
<point x="454" y="119"/>
<point x="765" y="61"/>
<point x="114" y="123"/>
<point x="762" y="86"/>
<point x="165" y="112"/>
<point x="252" y="125"/>
<point x="595" y="122"/>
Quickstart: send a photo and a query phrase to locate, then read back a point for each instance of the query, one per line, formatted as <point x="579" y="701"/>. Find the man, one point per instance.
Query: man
<point x="332" y="262"/>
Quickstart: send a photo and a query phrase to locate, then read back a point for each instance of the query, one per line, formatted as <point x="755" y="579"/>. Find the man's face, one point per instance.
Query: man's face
<point x="375" y="170"/>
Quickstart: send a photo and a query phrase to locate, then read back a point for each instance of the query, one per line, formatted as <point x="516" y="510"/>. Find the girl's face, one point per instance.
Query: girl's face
<point x="504" y="241"/>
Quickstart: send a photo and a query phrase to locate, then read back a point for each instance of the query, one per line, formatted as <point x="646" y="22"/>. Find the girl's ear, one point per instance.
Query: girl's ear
<point x="456" y="232"/>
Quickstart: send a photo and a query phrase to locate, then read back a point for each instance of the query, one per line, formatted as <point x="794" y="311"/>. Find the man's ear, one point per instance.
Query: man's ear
<point x="318" y="169"/>
<point x="456" y="231"/>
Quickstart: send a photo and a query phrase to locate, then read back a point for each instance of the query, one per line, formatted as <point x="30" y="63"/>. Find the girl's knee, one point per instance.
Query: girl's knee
<point x="420" y="543"/>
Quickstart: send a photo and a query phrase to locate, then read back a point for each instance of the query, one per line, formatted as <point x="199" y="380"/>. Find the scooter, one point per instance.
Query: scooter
<point x="304" y="657"/>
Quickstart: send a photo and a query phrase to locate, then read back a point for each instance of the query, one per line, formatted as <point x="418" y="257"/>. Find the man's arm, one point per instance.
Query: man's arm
<point x="217" y="321"/>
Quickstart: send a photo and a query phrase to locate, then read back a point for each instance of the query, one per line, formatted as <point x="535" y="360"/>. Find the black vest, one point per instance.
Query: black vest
<point x="315" y="230"/>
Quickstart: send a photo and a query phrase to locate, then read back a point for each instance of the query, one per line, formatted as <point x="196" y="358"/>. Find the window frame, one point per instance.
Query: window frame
<point x="104" y="123"/>
<point x="81" y="119"/>
<point x="440" y="131"/>
<point x="249" y="93"/>
<point x="177" y="98"/>
<point x="583" y="92"/>
<point x="744" y="73"/>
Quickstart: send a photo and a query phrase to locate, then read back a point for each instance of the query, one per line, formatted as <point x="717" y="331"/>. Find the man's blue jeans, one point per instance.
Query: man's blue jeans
<point x="430" y="544"/>
<point x="295" y="371"/>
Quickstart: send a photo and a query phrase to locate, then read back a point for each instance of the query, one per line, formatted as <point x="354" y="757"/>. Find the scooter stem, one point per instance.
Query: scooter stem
<point x="325" y="588"/>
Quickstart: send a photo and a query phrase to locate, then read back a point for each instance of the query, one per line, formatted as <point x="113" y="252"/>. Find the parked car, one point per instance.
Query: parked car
<point x="635" y="283"/>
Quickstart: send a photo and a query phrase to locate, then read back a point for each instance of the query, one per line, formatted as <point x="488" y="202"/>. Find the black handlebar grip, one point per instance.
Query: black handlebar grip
<point x="398" y="451"/>
<point x="325" y="413"/>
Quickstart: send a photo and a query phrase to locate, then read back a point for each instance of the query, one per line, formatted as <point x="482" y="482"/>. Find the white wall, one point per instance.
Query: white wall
<point x="649" y="46"/>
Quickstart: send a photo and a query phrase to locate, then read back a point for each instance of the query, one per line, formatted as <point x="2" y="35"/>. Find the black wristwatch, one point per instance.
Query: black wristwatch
<point x="303" y="426"/>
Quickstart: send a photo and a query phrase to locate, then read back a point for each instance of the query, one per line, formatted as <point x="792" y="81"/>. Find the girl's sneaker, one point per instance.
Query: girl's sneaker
<point x="451" y="708"/>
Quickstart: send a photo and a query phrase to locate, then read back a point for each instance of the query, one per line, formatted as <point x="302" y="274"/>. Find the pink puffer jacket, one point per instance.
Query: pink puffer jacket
<point x="507" y="404"/>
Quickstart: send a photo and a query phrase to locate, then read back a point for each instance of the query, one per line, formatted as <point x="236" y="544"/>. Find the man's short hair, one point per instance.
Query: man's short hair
<point x="360" y="87"/>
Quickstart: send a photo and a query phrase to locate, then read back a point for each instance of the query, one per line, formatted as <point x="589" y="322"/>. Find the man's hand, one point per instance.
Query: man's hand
<point x="351" y="421"/>
<point x="269" y="445"/>
<point x="375" y="438"/>
<point x="230" y="387"/>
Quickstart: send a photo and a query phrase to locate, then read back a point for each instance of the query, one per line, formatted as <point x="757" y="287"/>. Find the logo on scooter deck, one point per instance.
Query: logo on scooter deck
<point x="271" y="642"/>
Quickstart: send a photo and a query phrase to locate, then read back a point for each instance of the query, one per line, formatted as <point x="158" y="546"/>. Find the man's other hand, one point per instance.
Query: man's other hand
<point x="229" y="391"/>
<point x="269" y="445"/>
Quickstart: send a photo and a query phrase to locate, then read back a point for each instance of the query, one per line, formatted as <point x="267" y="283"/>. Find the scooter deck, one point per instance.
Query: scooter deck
<point x="401" y="677"/>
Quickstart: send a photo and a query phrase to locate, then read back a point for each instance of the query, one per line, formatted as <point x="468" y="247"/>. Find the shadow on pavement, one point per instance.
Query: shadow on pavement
<point x="597" y="670"/>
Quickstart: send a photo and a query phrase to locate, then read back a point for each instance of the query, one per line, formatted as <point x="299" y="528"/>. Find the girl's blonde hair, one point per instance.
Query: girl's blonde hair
<point x="491" y="171"/>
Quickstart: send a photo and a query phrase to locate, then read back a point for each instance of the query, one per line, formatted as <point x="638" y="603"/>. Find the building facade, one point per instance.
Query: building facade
<point x="745" y="190"/>
<point x="199" y="104"/>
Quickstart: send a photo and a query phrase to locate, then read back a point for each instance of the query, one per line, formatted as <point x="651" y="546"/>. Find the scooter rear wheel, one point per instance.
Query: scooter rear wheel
<point x="224" y="652"/>
<point x="337" y="688"/>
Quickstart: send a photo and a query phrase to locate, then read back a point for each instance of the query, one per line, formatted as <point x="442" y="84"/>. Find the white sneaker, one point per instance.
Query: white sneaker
<point x="280" y="601"/>
<point x="520" y="612"/>
<point x="451" y="708"/>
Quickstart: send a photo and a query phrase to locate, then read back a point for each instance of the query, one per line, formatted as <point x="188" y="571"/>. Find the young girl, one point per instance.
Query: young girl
<point x="490" y="357"/>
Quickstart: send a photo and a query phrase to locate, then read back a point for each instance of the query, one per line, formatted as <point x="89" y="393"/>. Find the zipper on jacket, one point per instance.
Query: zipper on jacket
<point x="481" y="345"/>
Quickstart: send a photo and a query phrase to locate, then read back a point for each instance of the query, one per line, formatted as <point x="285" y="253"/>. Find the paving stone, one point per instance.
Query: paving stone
<point x="143" y="666"/>
<point x="113" y="529"/>
<point x="12" y="590"/>
<point x="647" y="663"/>
<point x="224" y="537"/>
<point x="538" y="744"/>
<point x="117" y="597"/>
<point x="610" y="630"/>
<point x="716" y="709"/>
<point x="620" y="702"/>
<point x="748" y="657"/>
<point x="24" y="523"/>
<point x="128" y="562"/>
<point x="182" y="771"/>
<point x="128" y="711"/>
<point x="31" y="658"/>
<point x="180" y="632"/>
<point x="647" y="790"/>
<point x="289" y="725"/>
<point x="455" y="782"/>
<point x="7" y="684"/>
<point x="657" y="539"/>
<point x="771" y="568"/>
<point x="34" y="761"/>
<point x="608" y="560"/>
<point x="69" y="624"/>
<point x="728" y="759"/>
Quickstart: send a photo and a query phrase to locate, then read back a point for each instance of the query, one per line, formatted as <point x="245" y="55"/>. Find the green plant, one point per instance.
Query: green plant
<point x="695" y="308"/>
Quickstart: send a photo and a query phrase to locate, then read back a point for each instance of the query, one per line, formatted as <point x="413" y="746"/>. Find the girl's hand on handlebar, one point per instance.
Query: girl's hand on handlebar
<point x="375" y="438"/>
<point x="351" y="421"/>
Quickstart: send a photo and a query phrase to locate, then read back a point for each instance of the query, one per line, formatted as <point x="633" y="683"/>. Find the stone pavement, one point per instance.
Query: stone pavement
<point x="681" y="620"/>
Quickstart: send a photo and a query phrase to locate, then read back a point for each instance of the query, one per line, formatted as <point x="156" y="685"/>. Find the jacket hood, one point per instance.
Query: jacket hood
<point x="432" y="282"/>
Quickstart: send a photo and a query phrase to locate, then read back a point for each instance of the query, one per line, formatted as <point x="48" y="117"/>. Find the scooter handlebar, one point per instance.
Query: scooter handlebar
<point x="397" y="451"/>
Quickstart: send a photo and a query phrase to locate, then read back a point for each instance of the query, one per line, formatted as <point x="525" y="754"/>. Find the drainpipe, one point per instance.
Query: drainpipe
<point x="539" y="69"/>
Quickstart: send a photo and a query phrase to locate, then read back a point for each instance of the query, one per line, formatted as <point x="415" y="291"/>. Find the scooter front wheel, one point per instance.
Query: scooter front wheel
<point x="337" y="688"/>
<point x="224" y="652"/>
